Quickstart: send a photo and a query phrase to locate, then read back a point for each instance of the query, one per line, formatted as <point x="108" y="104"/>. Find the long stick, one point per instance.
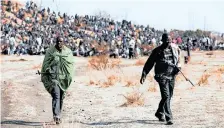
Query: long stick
<point x="185" y="77"/>
<point x="38" y="72"/>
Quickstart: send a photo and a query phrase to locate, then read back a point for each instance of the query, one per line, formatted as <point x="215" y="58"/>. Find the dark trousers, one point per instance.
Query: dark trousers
<point x="166" y="89"/>
<point x="57" y="100"/>
<point x="131" y="53"/>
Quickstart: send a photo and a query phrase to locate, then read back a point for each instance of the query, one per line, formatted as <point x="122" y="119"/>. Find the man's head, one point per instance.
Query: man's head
<point x="59" y="43"/>
<point x="166" y="39"/>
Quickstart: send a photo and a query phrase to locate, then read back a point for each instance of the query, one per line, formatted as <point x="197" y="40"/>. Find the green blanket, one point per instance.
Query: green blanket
<point x="60" y="65"/>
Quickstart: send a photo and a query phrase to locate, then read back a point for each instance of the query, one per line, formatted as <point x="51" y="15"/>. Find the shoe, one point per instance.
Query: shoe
<point x="170" y="122"/>
<point x="57" y="120"/>
<point x="160" y="117"/>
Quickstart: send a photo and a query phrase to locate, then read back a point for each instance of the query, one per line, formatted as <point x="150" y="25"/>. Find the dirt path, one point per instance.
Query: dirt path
<point x="25" y="103"/>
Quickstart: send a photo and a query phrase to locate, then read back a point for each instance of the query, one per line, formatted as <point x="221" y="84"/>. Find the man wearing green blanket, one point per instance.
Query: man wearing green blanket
<point x="57" y="73"/>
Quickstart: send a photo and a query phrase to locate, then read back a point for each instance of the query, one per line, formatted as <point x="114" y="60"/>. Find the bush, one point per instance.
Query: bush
<point x="133" y="99"/>
<point x="103" y="62"/>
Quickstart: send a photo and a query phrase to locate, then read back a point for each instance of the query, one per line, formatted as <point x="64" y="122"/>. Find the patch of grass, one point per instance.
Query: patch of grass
<point x="91" y="82"/>
<point x="153" y="88"/>
<point x="220" y="70"/>
<point x="130" y="83"/>
<point x="209" y="53"/>
<point x="103" y="62"/>
<point x="111" y="81"/>
<point x="18" y="60"/>
<point x="204" y="79"/>
<point x="133" y="99"/>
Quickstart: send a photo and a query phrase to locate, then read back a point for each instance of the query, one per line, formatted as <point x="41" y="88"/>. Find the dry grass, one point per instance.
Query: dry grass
<point x="216" y="73"/>
<point x="140" y="62"/>
<point x="99" y="63"/>
<point x="209" y="53"/>
<point x="220" y="70"/>
<point x="133" y="99"/>
<point x="131" y="80"/>
<point x="153" y="88"/>
<point x="103" y="62"/>
<point x="92" y="82"/>
<point x="111" y="81"/>
<point x="18" y="60"/>
<point x="130" y="83"/>
<point x="204" y="79"/>
<point x="219" y="78"/>
<point x="37" y="66"/>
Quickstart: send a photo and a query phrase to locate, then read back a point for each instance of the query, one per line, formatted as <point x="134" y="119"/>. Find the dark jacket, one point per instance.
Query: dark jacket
<point x="161" y="67"/>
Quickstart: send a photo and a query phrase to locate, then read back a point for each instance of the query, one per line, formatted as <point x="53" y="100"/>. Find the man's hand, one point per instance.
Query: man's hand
<point x="142" y="80"/>
<point x="47" y="70"/>
<point x="177" y="70"/>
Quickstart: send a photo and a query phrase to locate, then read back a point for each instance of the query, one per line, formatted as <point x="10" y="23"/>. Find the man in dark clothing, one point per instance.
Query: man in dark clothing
<point x="166" y="57"/>
<point x="188" y="45"/>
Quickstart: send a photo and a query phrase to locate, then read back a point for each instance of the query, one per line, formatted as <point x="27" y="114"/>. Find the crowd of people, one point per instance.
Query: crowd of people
<point x="31" y="30"/>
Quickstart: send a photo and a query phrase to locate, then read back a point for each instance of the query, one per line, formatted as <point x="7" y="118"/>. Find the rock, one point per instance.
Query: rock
<point x="43" y="110"/>
<point x="83" y="110"/>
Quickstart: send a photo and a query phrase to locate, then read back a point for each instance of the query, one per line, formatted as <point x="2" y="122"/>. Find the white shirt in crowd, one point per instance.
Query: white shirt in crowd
<point x="132" y="44"/>
<point x="12" y="41"/>
<point x="39" y="41"/>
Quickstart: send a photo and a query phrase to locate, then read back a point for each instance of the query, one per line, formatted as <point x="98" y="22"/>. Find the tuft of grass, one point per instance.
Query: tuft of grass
<point x="209" y="53"/>
<point x="18" y="60"/>
<point x="111" y="81"/>
<point x="103" y="62"/>
<point x="220" y="70"/>
<point x="152" y="89"/>
<point x="133" y="99"/>
<point x="91" y="82"/>
<point x="204" y="79"/>
<point x="130" y="83"/>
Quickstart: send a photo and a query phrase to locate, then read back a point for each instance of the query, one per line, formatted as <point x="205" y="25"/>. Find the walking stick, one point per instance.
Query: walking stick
<point x="185" y="76"/>
<point x="38" y="72"/>
<point x="180" y="72"/>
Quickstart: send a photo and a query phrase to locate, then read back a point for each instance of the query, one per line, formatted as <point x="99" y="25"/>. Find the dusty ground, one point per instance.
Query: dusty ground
<point x="25" y="103"/>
